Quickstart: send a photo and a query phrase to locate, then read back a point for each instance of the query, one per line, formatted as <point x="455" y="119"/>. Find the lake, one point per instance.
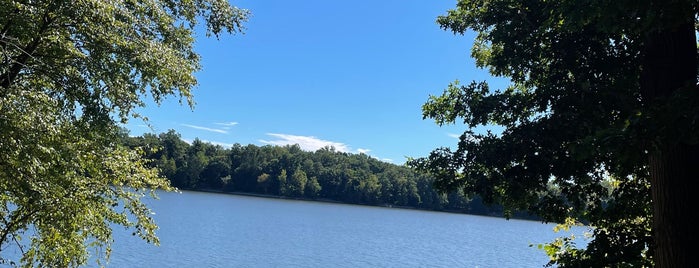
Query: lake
<point x="218" y="230"/>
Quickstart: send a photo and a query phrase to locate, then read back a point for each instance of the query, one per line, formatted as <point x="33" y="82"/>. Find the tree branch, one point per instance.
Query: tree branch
<point x="20" y="62"/>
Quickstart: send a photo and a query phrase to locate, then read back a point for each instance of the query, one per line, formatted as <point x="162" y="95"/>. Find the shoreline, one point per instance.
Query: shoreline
<point x="325" y="200"/>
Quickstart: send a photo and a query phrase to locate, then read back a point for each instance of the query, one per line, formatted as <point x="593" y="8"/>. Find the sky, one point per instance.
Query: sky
<point x="347" y="74"/>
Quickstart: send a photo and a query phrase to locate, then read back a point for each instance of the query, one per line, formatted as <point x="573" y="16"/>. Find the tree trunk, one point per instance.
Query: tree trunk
<point x="669" y="63"/>
<point x="671" y="171"/>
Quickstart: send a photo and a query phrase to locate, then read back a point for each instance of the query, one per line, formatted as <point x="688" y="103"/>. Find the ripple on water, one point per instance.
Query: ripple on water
<point x="215" y="230"/>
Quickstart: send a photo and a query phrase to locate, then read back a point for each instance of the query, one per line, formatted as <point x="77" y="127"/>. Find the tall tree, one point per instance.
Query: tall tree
<point x="602" y="93"/>
<point x="297" y="183"/>
<point x="283" y="184"/>
<point x="71" y="71"/>
<point x="313" y="187"/>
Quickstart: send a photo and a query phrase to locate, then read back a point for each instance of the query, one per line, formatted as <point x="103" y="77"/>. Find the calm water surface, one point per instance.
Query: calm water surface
<point x="216" y="230"/>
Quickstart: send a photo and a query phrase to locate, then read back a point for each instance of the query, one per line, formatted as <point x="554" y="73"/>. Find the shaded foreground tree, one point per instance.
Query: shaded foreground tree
<point x="70" y="72"/>
<point x="602" y="93"/>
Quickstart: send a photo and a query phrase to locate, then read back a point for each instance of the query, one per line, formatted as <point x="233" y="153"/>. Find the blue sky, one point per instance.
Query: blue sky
<point x="351" y="74"/>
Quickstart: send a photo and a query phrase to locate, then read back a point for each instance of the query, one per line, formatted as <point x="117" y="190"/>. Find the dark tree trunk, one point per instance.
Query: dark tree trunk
<point x="670" y="63"/>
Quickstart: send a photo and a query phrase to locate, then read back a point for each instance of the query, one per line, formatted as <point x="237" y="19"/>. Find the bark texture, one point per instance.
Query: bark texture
<point x="670" y="64"/>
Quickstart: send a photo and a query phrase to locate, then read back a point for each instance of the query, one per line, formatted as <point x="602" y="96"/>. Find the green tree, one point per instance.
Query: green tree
<point x="174" y="158"/>
<point x="297" y="183"/>
<point x="284" y="188"/>
<point x="263" y="182"/>
<point x="313" y="187"/>
<point x="600" y="91"/>
<point x="69" y="73"/>
<point x="218" y="169"/>
<point x="195" y="164"/>
<point x="370" y="189"/>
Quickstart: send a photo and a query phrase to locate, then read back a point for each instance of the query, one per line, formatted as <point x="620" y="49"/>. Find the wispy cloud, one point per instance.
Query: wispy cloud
<point x="308" y="143"/>
<point x="227" y="125"/>
<point x="222" y="144"/>
<point x="454" y="135"/>
<point x="363" y="151"/>
<point x="206" y="128"/>
<point x="311" y="143"/>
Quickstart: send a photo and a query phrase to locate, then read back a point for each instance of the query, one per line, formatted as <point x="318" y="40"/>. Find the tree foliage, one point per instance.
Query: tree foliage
<point x="577" y="118"/>
<point x="290" y="172"/>
<point x="71" y="71"/>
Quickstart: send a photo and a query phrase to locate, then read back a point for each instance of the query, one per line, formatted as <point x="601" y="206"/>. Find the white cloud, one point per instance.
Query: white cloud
<point x="455" y="136"/>
<point x="363" y="151"/>
<point x="227" y="124"/>
<point x="206" y="128"/>
<point x="308" y="143"/>
<point x="223" y="144"/>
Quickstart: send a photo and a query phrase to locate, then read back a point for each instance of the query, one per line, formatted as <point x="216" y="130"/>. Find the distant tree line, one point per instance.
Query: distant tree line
<point x="288" y="171"/>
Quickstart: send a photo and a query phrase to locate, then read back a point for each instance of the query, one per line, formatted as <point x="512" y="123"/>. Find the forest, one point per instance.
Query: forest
<point x="599" y="119"/>
<point x="289" y="172"/>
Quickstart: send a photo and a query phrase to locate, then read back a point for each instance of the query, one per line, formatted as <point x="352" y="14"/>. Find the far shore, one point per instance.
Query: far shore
<point x="325" y="200"/>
